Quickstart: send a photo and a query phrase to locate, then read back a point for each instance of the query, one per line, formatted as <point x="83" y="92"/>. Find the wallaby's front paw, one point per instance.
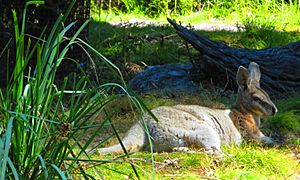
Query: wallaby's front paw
<point x="214" y="151"/>
<point x="183" y="149"/>
<point x="267" y="140"/>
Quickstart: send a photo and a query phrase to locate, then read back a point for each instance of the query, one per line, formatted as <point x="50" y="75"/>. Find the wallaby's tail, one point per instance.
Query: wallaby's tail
<point x="133" y="140"/>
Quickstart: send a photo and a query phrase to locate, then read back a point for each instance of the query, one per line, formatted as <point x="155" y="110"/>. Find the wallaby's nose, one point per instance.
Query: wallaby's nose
<point x="274" y="110"/>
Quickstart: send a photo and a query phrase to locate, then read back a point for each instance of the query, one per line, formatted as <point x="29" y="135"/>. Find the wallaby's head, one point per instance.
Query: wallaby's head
<point x="251" y="98"/>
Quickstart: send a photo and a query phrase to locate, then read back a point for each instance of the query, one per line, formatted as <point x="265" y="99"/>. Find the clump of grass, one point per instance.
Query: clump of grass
<point x="38" y="129"/>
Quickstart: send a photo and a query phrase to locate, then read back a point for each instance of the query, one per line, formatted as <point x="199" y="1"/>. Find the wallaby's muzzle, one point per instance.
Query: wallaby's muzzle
<point x="274" y="110"/>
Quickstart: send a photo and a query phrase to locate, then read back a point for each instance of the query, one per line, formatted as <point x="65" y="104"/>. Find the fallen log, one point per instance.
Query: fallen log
<point x="280" y="66"/>
<point x="173" y="78"/>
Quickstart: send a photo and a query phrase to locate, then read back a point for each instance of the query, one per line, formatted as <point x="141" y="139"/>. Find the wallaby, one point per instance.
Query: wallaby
<point x="197" y="126"/>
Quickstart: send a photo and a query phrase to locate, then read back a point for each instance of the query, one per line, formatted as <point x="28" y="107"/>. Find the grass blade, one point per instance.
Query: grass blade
<point x="13" y="169"/>
<point x="6" y="147"/>
<point x="59" y="172"/>
<point x="43" y="166"/>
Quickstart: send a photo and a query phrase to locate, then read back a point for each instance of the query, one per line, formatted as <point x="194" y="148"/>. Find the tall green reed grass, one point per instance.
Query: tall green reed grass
<point x="38" y="127"/>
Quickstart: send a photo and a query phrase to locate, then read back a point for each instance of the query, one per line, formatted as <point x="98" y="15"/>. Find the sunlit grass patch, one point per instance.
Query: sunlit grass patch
<point x="250" y="161"/>
<point x="283" y="15"/>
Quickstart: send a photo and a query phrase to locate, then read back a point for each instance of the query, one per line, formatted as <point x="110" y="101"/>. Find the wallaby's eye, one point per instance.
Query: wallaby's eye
<point x="255" y="98"/>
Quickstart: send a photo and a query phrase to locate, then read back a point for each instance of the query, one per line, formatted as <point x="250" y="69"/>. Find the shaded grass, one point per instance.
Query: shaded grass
<point x="159" y="44"/>
<point x="286" y="123"/>
<point x="149" y="44"/>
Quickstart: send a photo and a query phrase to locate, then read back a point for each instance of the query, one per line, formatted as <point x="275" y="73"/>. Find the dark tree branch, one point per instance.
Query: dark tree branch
<point x="280" y="66"/>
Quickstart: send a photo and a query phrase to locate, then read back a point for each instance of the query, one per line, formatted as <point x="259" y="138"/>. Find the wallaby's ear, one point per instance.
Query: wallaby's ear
<point x="242" y="77"/>
<point x="254" y="77"/>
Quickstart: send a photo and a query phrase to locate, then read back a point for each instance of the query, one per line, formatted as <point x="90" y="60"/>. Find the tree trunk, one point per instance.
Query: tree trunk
<point x="280" y="66"/>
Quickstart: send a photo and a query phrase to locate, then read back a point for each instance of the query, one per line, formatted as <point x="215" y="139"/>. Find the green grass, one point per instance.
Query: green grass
<point x="282" y="15"/>
<point x="283" y="18"/>
<point x="250" y="161"/>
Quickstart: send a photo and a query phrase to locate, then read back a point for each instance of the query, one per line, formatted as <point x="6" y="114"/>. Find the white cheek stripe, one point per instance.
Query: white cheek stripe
<point x="227" y="112"/>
